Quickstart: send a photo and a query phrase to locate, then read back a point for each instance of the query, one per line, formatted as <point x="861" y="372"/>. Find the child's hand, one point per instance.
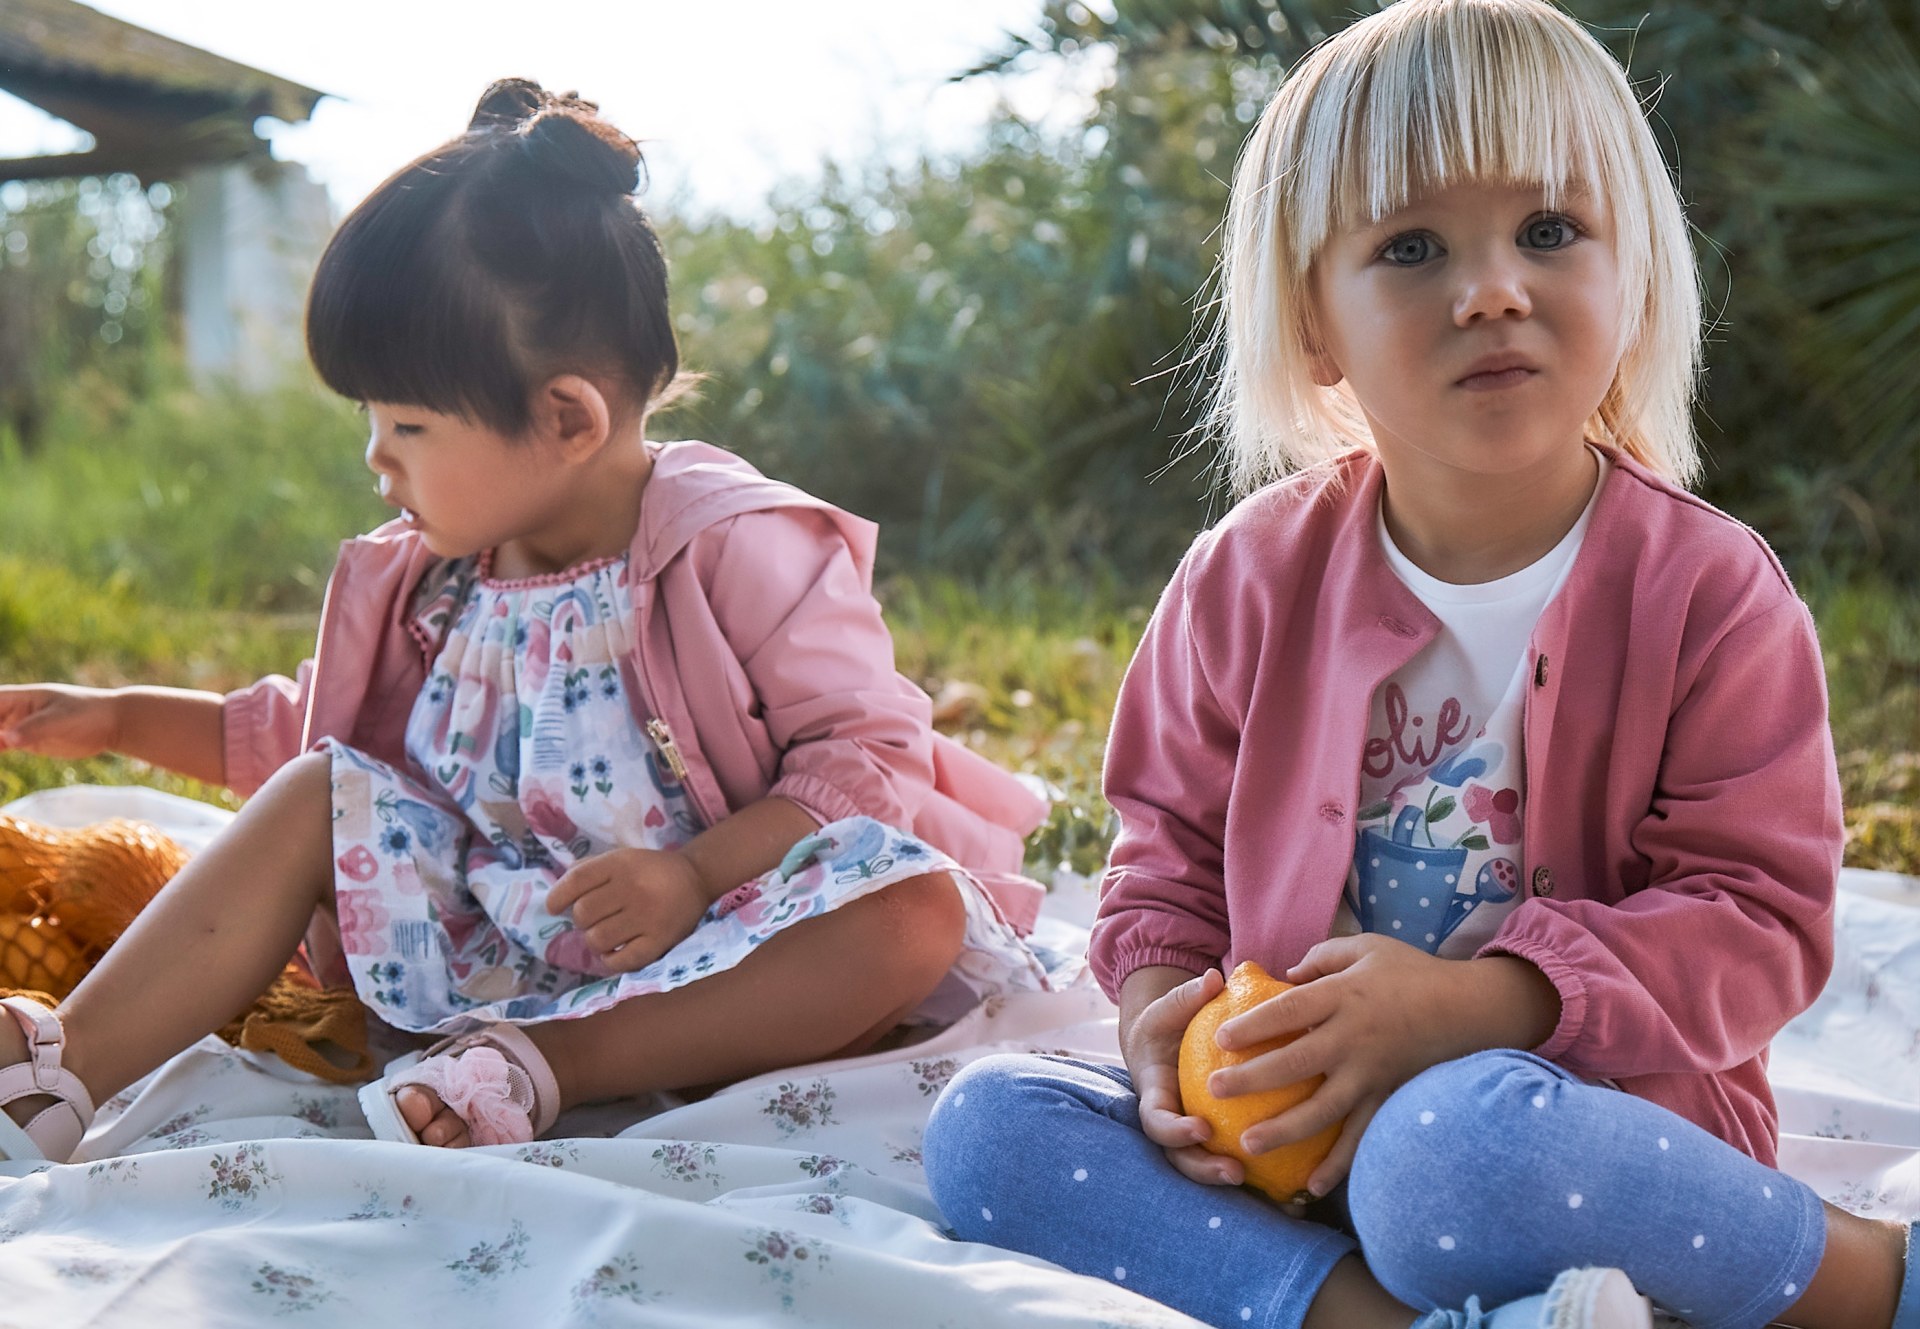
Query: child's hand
<point x="1376" y="1013"/>
<point x="631" y="905"/>
<point x="54" y="720"/>
<point x="1153" y="1059"/>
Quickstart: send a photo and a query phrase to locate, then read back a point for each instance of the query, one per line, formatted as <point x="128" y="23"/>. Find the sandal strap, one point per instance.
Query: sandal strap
<point x="45" y="1038"/>
<point x="513" y="1044"/>
<point x="56" y="1130"/>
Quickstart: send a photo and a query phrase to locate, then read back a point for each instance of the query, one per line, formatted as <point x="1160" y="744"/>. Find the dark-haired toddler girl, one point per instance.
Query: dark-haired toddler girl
<point x="601" y="766"/>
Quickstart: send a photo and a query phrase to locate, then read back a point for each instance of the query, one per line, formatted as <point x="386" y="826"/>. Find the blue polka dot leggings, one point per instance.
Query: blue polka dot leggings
<point x="1486" y="1175"/>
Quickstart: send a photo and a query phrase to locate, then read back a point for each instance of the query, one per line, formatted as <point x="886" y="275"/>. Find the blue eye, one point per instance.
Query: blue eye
<point x="1549" y="233"/>
<point x="1409" y="249"/>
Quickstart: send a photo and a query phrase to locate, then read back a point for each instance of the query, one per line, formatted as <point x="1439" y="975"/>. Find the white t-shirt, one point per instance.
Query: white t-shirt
<point x="1442" y="777"/>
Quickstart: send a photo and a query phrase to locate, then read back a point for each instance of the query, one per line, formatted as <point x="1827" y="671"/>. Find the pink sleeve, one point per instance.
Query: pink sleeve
<point x="855" y="738"/>
<point x="261" y="727"/>
<point x="1170" y="763"/>
<point x="1744" y="838"/>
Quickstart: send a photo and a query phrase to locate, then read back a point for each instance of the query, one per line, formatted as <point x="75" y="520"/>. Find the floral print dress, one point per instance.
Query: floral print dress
<point x="530" y="755"/>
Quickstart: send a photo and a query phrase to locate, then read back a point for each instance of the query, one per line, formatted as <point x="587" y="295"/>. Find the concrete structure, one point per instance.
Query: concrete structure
<point x="248" y="229"/>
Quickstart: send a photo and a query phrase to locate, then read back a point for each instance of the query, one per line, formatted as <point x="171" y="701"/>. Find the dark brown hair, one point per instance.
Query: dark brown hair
<point x="512" y="253"/>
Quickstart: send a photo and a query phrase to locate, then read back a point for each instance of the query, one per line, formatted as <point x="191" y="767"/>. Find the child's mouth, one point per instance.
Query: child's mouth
<point x="1494" y="380"/>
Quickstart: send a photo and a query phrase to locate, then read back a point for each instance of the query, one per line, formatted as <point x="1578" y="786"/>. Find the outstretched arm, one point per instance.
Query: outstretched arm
<point x="176" y="728"/>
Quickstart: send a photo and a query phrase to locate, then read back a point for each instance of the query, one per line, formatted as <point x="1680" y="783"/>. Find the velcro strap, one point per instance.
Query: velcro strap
<point x="45" y="1038"/>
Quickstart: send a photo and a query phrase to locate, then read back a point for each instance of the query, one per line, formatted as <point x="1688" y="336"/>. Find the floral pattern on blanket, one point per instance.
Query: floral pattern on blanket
<point x="227" y="1190"/>
<point x="225" y="1180"/>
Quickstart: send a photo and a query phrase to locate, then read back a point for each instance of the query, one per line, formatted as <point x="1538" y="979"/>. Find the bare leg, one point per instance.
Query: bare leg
<point x="1857" y="1285"/>
<point x="832" y="985"/>
<point x="1352" y="1299"/>
<point x="210" y="942"/>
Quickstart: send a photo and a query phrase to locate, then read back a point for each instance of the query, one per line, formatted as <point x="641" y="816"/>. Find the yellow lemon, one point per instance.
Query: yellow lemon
<point x="1280" y="1173"/>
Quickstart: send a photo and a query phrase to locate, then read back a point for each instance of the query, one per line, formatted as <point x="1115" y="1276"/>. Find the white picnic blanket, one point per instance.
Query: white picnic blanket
<point x="228" y="1190"/>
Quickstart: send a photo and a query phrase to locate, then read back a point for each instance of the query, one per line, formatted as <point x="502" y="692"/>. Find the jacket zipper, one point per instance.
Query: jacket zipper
<point x="663" y="739"/>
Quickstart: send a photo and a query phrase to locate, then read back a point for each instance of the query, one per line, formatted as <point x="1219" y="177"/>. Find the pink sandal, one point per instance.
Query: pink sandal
<point x="494" y="1079"/>
<point x="54" y="1133"/>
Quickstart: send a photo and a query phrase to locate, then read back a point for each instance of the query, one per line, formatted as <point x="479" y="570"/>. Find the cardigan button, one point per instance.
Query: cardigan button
<point x="1543" y="881"/>
<point x="1540" y="672"/>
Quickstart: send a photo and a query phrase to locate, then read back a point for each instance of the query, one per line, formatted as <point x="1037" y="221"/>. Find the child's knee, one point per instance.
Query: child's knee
<point x="309" y="775"/>
<point x="1450" y="1158"/>
<point x="922" y="923"/>
<point x="986" y="1128"/>
<point x="983" y="1100"/>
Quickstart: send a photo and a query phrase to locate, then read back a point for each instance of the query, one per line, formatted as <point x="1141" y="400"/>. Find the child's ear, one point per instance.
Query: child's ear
<point x="573" y="415"/>
<point x="1321" y="366"/>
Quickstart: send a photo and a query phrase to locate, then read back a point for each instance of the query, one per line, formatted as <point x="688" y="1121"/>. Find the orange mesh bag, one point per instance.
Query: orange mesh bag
<point x="36" y="958"/>
<point x="67" y="895"/>
<point x="87" y="884"/>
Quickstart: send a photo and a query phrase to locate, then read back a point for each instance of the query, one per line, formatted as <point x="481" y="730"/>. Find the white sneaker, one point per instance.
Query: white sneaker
<point x="1595" y="1299"/>
<point x="1578" y="1299"/>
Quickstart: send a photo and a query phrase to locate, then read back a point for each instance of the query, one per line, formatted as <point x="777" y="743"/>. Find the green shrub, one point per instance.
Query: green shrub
<point x="191" y="499"/>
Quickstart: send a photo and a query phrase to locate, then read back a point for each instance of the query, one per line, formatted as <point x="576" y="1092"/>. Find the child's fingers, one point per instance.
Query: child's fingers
<point x="1297" y="1009"/>
<point x="1170" y="1130"/>
<point x="1162" y="1118"/>
<point x="1314" y="1053"/>
<point x="1196" y="1164"/>
<point x="608" y="936"/>
<point x="23" y="729"/>
<point x="636" y="954"/>
<point x="594" y="907"/>
<point x="1330" y="957"/>
<point x="1330" y="1103"/>
<point x="1170" y="1014"/>
<point x="40" y="731"/>
<point x="1337" y="1164"/>
<point x="16" y="701"/>
<point x="575" y="882"/>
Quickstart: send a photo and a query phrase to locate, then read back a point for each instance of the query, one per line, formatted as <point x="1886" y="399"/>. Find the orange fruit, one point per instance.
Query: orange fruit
<point x="1280" y="1173"/>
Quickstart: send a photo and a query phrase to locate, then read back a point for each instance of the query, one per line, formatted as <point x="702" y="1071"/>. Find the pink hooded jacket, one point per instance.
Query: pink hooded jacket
<point x="764" y="667"/>
<point x="1682" y="826"/>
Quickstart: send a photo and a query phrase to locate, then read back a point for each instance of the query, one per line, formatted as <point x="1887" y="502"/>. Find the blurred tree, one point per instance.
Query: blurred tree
<point x="81" y="289"/>
<point x="955" y="349"/>
<point x="1836" y="161"/>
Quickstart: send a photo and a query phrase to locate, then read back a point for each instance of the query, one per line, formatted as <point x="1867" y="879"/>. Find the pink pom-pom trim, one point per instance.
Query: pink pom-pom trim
<point x="478" y="1086"/>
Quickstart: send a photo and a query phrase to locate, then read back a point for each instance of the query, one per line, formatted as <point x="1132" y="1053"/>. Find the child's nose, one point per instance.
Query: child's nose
<point x="377" y="460"/>
<point x="1492" y="288"/>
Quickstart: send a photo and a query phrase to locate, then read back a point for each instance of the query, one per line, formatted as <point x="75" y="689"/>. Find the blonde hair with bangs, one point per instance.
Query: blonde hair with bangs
<point x="1424" y="94"/>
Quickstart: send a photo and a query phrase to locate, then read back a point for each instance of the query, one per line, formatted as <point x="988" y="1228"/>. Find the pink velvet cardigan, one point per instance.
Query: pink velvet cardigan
<point x="761" y="655"/>
<point x="1682" y="824"/>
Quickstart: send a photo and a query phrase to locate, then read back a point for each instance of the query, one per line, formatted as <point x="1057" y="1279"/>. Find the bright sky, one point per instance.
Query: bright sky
<point x="733" y="97"/>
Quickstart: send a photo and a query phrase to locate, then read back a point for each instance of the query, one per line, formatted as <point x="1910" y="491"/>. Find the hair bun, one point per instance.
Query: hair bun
<point x="507" y="102"/>
<point x="569" y="141"/>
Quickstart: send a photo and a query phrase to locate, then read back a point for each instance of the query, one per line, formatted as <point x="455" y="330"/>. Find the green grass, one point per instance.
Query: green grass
<point x="1870" y="636"/>
<point x="1026" y="674"/>
<point x="191" y="499"/>
<point x="1023" y="672"/>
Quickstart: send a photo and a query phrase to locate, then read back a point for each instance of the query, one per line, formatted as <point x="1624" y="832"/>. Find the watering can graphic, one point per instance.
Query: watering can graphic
<point x="1413" y="892"/>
